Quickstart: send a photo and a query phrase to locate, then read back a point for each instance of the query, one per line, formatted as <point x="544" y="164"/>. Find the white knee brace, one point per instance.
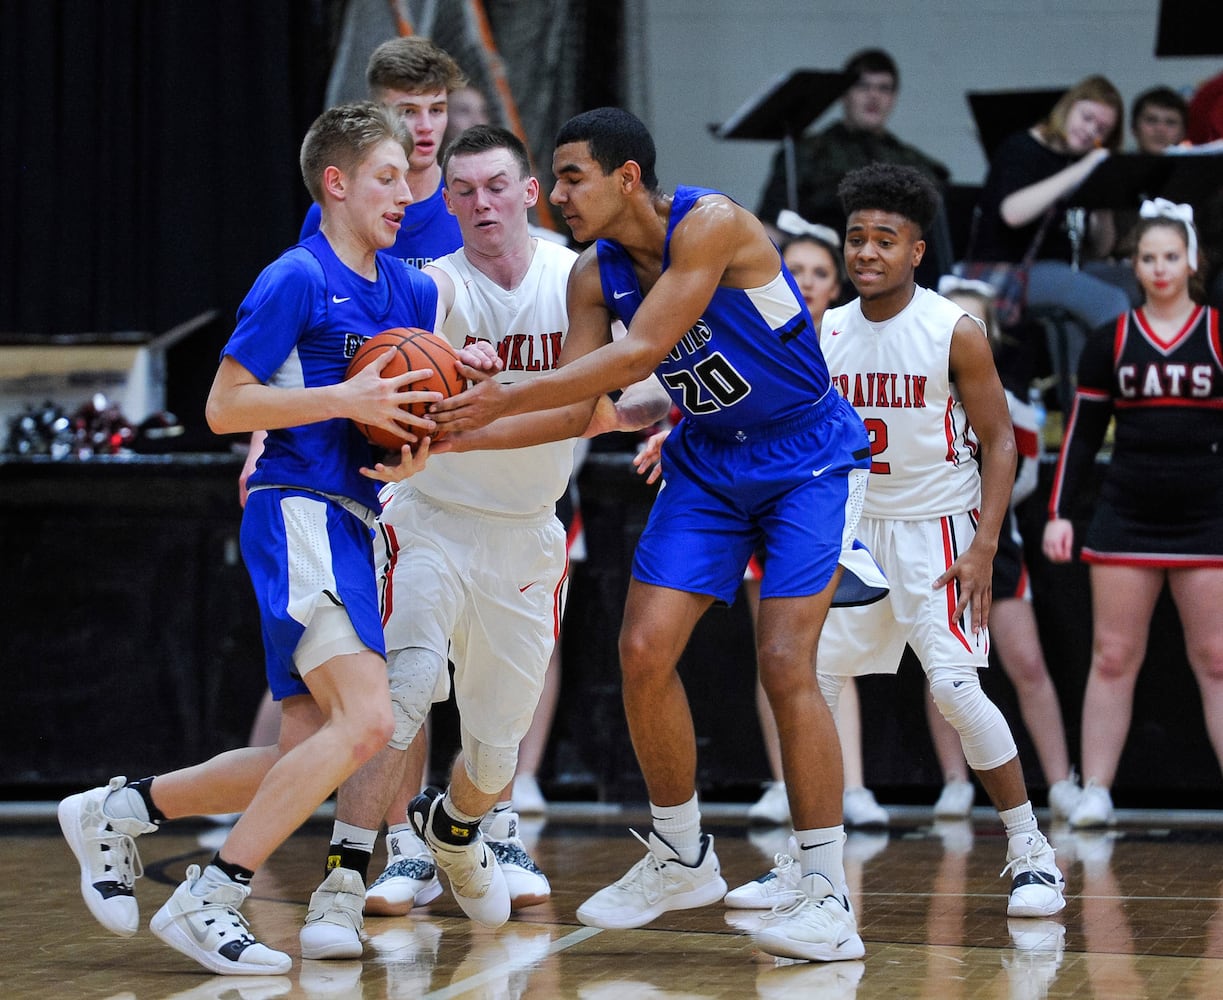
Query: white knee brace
<point x="489" y="768"/>
<point x="984" y="733"/>
<point x="831" y="686"/>
<point x="412" y="674"/>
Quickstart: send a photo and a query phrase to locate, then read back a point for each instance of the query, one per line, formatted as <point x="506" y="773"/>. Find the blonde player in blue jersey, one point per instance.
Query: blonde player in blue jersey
<point x="306" y="540"/>
<point x="767" y="453"/>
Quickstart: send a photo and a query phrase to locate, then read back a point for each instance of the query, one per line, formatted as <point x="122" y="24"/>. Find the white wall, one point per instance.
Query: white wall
<point x="693" y="62"/>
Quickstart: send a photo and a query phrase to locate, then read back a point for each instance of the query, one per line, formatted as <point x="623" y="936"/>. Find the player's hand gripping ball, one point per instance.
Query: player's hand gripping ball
<point x="413" y="349"/>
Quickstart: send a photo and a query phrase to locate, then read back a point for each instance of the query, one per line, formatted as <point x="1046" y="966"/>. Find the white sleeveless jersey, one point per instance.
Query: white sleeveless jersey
<point x="527" y="326"/>
<point x="896" y="375"/>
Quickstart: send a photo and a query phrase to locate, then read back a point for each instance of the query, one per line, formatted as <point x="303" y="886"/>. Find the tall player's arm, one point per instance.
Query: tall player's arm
<point x="703" y="248"/>
<point x="981" y="392"/>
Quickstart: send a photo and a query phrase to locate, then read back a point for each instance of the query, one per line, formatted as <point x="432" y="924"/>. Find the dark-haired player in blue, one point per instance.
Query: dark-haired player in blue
<point x="306" y="540"/>
<point x="767" y="454"/>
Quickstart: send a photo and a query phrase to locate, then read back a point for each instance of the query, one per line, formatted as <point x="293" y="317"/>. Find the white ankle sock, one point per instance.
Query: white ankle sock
<point x="821" y="852"/>
<point x="680" y="826"/>
<point x="356" y="837"/>
<point x="1019" y="820"/>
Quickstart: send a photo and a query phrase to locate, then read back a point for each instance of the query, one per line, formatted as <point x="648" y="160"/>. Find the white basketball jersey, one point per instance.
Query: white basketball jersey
<point x="896" y="375"/>
<point x="527" y="325"/>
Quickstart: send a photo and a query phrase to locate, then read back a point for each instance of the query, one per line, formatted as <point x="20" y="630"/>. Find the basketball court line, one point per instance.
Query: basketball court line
<point x="502" y="971"/>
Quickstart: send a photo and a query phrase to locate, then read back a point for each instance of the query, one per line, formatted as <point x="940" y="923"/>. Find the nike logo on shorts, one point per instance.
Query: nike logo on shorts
<point x="620" y="295"/>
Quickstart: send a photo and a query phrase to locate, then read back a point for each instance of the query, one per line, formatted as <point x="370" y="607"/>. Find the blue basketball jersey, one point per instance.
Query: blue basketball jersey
<point x="752" y="359"/>
<point x="428" y="230"/>
<point x="299" y="327"/>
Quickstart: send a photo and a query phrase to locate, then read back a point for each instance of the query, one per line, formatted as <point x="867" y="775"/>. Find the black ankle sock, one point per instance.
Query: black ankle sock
<point x="449" y="830"/>
<point x="145" y="787"/>
<point x="344" y="856"/>
<point x="239" y="874"/>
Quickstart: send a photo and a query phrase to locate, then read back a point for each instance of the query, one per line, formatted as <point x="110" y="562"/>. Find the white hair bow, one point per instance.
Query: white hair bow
<point x="796" y="225"/>
<point x="1162" y="208"/>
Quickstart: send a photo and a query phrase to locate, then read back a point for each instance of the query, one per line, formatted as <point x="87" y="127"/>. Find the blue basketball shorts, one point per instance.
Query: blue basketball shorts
<point x="306" y="551"/>
<point x="792" y="489"/>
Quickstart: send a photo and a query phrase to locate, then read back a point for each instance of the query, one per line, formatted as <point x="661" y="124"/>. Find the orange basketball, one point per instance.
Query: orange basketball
<point x="414" y="349"/>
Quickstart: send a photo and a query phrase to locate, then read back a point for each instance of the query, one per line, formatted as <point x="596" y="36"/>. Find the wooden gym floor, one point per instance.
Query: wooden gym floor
<point x="1144" y="919"/>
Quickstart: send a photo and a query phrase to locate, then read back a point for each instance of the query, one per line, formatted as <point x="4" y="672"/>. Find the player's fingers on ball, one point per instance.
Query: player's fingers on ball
<point x="408" y="377"/>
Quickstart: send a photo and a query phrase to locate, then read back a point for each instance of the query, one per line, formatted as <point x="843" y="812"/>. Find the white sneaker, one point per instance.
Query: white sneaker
<point x="657" y="883"/>
<point x="333" y="921"/>
<point x="956" y="800"/>
<point x="859" y="808"/>
<point x="1094" y="808"/>
<point x="209" y="929"/>
<point x="772" y="808"/>
<point x="528" y="886"/>
<point x="776" y="885"/>
<point x="472" y="869"/>
<point x="105" y="848"/>
<point x="409" y="879"/>
<point x="528" y="800"/>
<point x="1064" y="795"/>
<point x="1037" y="886"/>
<point x="813" y="928"/>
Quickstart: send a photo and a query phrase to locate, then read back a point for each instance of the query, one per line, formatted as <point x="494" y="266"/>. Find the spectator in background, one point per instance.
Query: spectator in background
<point x="1159" y="118"/>
<point x="1206" y="126"/>
<point x="1206" y="111"/>
<point x="858" y="138"/>
<point x="1156" y="371"/>
<point x="1027" y="192"/>
<point x="467" y="106"/>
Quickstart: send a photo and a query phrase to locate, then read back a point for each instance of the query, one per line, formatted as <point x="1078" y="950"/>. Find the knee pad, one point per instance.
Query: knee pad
<point x="984" y="733"/>
<point x="489" y="768"/>
<point x="831" y="686"/>
<point x="412" y="674"/>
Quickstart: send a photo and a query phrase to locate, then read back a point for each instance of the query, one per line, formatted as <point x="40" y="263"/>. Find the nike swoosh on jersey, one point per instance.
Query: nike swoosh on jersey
<point x="340" y="301"/>
<point x="834" y="333"/>
<point x="821" y="470"/>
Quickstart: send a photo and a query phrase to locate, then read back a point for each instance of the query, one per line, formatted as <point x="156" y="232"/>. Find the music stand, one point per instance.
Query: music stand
<point x="783" y="110"/>
<point x="1181" y="33"/>
<point x="998" y="113"/>
<point x="1125" y="180"/>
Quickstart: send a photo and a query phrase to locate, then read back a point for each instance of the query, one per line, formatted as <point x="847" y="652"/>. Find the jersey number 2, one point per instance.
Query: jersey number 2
<point x="877" y="431"/>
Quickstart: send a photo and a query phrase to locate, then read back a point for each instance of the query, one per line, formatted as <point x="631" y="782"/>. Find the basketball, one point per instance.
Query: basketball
<point x="414" y="349"/>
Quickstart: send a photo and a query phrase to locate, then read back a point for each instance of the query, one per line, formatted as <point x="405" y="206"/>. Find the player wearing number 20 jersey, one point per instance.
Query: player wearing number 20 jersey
<point x="767" y="453"/>
<point x="752" y="359"/>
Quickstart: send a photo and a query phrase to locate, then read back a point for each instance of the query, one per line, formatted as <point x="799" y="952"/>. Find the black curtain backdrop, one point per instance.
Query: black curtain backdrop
<point x="148" y="155"/>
